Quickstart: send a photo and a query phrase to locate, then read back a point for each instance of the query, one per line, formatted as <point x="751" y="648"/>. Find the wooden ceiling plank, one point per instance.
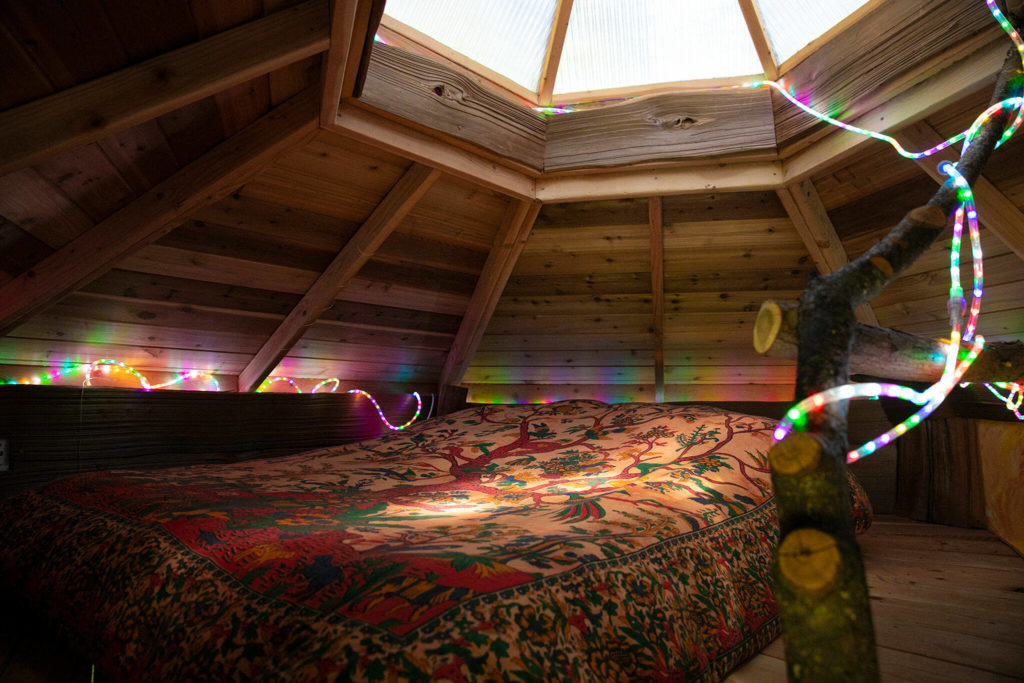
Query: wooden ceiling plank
<point x="811" y="221"/>
<point x="508" y="245"/>
<point x="718" y="177"/>
<point x="384" y="219"/>
<point x="207" y="180"/>
<point x="553" y="55"/>
<point x="959" y="80"/>
<point x="362" y="126"/>
<point x="91" y="111"/>
<point x="995" y="210"/>
<point x="350" y="21"/>
<point x="656" y="221"/>
<point x="758" y="34"/>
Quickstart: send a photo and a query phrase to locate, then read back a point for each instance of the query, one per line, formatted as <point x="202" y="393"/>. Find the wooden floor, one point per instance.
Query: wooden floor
<point x="948" y="605"/>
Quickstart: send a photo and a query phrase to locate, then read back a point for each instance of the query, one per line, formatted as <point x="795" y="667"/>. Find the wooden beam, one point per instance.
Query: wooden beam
<point x="393" y="137"/>
<point x="952" y="84"/>
<point x="995" y="210"/>
<point x="663" y="128"/>
<point x="508" y="245"/>
<point x="655" y="219"/>
<point x="384" y="219"/>
<point x="439" y="98"/>
<point x="805" y="209"/>
<point x="205" y="181"/>
<point x="553" y="55"/>
<point x="763" y="45"/>
<point x="93" y="110"/>
<point x="739" y="177"/>
<point x="350" y="27"/>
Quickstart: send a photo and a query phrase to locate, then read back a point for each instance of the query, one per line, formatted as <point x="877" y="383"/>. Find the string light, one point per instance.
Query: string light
<point x="954" y="369"/>
<point x="106" y="365"/>
<point x="334" y="383"/>
<point x="380" y="413"/>
<point x="272" y="380"/>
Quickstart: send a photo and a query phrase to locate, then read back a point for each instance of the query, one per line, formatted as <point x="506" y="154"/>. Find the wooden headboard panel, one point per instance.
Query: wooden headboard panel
<point x="54" y="431"/>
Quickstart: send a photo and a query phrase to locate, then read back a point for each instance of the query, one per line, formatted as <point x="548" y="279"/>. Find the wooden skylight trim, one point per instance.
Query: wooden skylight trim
<point x="758" y="34"/>
<point x="421" y="43"/>
<point x="553" y="56"/>
<point x="816" y="44"/>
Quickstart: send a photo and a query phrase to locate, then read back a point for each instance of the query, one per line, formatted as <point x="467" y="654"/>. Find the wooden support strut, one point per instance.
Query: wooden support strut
<point x="819" y="575"/>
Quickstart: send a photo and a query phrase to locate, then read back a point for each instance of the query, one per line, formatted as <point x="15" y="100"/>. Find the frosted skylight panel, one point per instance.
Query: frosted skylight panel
<point x="792" y="24"/>
<point x="612" y="44"/>
<point x="507" y="36"/>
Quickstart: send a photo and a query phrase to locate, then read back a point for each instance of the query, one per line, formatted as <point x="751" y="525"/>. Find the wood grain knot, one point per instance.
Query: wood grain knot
<point x="796" y="455"/>
<point x="678" y="122"/>
<point x="809" y="561"/>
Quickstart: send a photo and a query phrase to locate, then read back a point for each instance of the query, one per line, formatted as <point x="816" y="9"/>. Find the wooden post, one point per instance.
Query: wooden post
<point x="819" y="575"/>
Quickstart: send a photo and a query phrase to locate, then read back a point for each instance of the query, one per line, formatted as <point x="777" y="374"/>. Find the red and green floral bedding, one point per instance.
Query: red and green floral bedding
<point x="570" y="541"/>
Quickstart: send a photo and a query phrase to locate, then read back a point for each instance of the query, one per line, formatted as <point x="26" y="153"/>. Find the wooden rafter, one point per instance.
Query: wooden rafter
<point x="959" y="80"/>
<point x="385" y="218"/>
<point x="354" y="123"/>
<point x="656" y="221"/>
<point x="758" y="34"/>
<point x="205" y="181"/>
<point x="553" y="55"/>
<point x="995" y="210"/>
<point x="805" y="209"/>
<point x="90" y="111"/>
<point x="352" y="25"/>
<point x="508" y="245"/>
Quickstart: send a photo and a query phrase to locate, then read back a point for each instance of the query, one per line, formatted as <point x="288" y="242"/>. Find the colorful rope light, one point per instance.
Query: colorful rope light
<point x="334" y="383"/>
<point x="955" y="367"/>
<point x="380" y="413"/>
<point x="106" y="364"/>
<point x="273" y="380"/>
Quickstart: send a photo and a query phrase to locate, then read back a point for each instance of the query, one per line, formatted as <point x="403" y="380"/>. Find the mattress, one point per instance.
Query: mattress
<point x="574" y="540"/>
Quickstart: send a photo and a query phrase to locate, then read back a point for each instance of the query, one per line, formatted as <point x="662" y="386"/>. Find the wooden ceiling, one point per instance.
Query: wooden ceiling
<point x="194" y="185"/>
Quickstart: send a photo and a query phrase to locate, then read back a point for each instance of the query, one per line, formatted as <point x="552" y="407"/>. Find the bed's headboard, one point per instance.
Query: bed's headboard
<point x="54" y="431"/>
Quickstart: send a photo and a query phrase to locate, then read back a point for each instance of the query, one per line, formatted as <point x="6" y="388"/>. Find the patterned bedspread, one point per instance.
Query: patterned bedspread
<point x="569" y="541"/>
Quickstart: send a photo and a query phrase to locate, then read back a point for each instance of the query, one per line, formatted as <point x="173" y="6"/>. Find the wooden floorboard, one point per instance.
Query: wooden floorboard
<point x="947" y="603"/>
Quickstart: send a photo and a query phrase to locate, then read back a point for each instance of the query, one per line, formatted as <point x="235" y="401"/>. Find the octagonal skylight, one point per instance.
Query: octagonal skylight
<point x="590" y="47"/>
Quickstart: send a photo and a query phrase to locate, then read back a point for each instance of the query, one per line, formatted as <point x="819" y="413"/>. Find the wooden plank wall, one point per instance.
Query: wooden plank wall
<point x="576" y="317"/>
<point x="54" y="431"/>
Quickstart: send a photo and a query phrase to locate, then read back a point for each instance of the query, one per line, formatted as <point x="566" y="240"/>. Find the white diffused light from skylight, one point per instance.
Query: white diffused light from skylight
<point x="507" y="36"/>
<point x="792" y="24"/>
<point x="640" y="42"/>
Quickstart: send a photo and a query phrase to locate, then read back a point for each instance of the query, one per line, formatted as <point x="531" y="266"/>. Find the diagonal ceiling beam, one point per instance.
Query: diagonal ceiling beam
<point x="758" y="34"/>
<point x="353" y="23"/>
<point x="381" y="223"/>
<point x="91" y="111"/>
<point x="205" y="181"/>
<point x="959" y="80"/>
<point x="553" y="55"/>
<point x="805" y="209"/>
<point x="508" y="245"/>
<point x="998" y="214"/>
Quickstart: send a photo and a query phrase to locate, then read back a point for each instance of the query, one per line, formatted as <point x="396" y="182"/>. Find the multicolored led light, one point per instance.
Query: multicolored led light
<point x="106" y="364"/>
<point x="797" y="416"/>
<point x="380" y="413"/>
<point x="334" y="383"/>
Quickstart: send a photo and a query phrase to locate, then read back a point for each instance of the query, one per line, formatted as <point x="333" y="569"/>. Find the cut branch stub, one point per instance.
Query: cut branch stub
<point x="893" y="354"/>
<point x="809" y="561"/>
<point x="796" y="455"/>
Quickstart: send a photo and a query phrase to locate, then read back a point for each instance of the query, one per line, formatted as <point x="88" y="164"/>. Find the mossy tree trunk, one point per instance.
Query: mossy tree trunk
<point x="819" y="574"/>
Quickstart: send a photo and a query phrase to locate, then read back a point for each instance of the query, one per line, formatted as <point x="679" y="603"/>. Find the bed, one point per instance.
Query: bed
<point x="571" y="540"/>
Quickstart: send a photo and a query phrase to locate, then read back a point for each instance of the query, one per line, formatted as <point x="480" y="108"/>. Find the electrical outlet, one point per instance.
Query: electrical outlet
<point x="5" y="455"/>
